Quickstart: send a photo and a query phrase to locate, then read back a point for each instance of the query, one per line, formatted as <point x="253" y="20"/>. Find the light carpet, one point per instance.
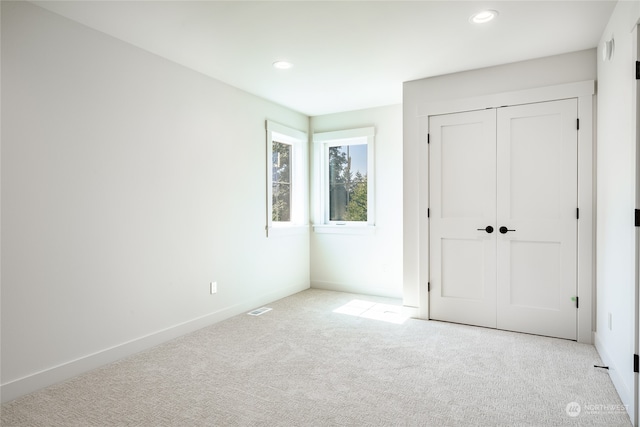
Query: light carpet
<point x="302" y="364"/>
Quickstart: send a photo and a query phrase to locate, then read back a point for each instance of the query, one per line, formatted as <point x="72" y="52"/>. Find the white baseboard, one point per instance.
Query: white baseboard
<point x="30" y="383"/>
<point x="626" y="395"/>
<point x="357" y="289"/>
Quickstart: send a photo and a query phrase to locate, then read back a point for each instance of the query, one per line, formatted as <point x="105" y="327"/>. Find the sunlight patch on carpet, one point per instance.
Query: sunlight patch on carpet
<point x="375" y="311"/>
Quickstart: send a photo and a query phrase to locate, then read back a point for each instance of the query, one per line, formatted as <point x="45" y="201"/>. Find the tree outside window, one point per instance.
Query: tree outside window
<point x="287" y="180"/>
<point x="343" y="181"/>
<point x="348" y="183"/>
<point x="281" y="182"/>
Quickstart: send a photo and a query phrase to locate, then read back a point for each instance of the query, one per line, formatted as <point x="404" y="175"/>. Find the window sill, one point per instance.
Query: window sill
<point x="287" y="230"/>
<point x="344" y="229"/>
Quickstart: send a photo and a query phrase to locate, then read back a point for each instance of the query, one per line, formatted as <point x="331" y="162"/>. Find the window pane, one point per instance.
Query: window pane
<point x="281" y="181"/>
<point x="348" y="183"/>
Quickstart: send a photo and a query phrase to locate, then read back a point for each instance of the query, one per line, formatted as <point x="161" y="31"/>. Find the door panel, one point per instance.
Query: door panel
<point x="537" y="197"/>
<point x="463" y="177"/>
<point x="462" y="282"/>
<point x="535" y="275"/>
<point x="462" y="199"/>
<point x="534" y="147"/>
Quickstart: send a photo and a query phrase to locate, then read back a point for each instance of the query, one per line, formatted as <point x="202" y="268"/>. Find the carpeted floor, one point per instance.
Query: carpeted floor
<point x="302" y="364"/>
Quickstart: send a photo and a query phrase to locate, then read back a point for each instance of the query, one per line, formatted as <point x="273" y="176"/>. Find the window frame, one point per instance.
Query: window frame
<point x="298" y="223"/>
<point x="322" y="141"/>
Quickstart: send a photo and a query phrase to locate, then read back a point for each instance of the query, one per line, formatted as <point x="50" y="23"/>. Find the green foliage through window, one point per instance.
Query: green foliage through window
<point x="348" y="183"/>
<point x="281" y="181"/>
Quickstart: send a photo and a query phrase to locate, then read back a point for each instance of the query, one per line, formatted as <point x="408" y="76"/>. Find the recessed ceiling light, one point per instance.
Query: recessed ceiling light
<point x="282" y="65"/>
<point x="483" y="16"/>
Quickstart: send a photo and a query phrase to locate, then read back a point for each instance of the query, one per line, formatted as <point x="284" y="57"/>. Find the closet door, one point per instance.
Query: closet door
<point x="537" y="198"/>
<point x="462" y="174"/>
<point x="503" y="226"/>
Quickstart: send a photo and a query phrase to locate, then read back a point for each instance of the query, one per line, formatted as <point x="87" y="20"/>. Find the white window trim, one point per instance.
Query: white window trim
<point x="322" y="141"/>
<point x="299" y="211"/>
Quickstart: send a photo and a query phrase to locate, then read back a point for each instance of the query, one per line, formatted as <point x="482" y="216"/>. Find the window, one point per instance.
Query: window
<point x="281" y="181"/>
<point x="286" y="179"/>
<point x="344" y="180"/>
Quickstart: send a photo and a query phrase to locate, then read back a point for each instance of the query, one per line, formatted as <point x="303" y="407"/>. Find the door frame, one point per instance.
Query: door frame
<point x="634" y="412"/>
<point x="584" y="93"/>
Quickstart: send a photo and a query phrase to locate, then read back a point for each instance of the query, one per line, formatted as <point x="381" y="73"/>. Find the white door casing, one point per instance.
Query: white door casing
<point x="417" y="271"/>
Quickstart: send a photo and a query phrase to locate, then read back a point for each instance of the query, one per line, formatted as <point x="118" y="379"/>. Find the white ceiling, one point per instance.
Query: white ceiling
<point x="347" y="55"/>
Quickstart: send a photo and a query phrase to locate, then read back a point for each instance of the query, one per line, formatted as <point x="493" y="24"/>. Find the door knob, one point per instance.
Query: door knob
<point x="488" y="229"/>
<point x="504" y="230"/>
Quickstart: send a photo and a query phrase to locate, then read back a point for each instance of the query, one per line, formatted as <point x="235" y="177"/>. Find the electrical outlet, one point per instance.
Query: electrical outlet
<point x="213" y="287"/>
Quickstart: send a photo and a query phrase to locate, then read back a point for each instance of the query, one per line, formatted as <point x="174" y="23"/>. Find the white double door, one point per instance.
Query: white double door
<point x="503" y="222"/>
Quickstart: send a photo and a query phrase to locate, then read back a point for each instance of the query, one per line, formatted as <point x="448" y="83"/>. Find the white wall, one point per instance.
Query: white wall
<point x="555" y="70"/>
<point x="128" y="184"/>
<point x="367" y="264"/>
<point x="616" y="156"/>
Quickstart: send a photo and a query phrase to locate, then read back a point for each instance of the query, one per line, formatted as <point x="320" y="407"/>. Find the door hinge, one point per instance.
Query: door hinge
<point x="576" y="300"/>
<point x="637" y="218"/>
<point x="637" y="70"/>
<point x="636" y="363"/>
<point x="578" y="124"/>
<point x="428" y="213"/>
<point x="428" y="286"/>
<point x="577" y="213"/>
<point x="428" y="138"/>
